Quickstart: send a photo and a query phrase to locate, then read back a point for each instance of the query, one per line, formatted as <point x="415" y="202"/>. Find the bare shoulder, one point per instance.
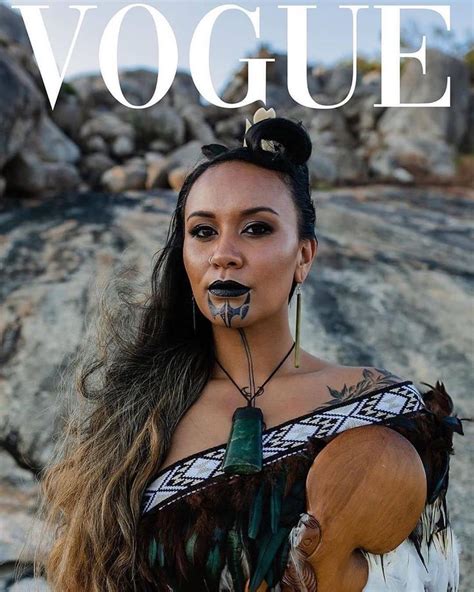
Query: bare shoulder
<point x="348" y="382"/>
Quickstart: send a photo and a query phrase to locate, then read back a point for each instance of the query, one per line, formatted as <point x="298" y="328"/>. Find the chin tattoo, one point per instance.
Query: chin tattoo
<point x="227" y="312"/>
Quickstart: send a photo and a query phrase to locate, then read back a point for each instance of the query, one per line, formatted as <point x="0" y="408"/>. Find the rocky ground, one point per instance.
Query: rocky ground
<point x="391" y="286"/>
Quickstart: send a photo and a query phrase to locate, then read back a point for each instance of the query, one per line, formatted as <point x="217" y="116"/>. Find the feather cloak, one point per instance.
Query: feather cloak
<point x="240" y="533"/>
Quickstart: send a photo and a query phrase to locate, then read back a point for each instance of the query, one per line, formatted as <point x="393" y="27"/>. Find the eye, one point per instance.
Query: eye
<point x="266" y="228"/>
<point x="197" y="229"/>
<point x="263" y="229"/>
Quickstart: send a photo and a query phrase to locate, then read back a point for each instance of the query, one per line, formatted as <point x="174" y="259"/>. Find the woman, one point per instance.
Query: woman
<point x="189" y="470"/>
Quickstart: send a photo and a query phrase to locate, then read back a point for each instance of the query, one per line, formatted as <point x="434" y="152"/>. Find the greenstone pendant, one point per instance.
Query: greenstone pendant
<point x="244" y="454"/>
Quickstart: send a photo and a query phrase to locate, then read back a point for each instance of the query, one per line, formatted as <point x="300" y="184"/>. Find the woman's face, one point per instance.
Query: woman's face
<point x="259" y="249"/>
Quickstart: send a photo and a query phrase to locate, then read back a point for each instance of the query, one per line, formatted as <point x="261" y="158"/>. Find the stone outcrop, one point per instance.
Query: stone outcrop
<point x="395" y="261"/>
<point x="423" y="141"/>
<point x="89" y="140"/>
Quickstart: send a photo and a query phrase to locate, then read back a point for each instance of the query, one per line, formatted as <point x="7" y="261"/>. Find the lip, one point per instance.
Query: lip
<point x="227" y="288"/>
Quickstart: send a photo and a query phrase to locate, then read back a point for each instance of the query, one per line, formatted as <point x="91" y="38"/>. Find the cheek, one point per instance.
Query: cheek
<point x="193" y="262"/>
<point x="273" y="273"/>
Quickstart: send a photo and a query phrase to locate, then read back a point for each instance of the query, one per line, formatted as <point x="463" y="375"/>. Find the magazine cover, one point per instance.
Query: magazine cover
<point x="237" y="310"/>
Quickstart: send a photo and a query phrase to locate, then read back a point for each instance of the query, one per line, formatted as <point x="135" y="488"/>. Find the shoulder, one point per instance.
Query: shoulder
<point x="353" y="381"/>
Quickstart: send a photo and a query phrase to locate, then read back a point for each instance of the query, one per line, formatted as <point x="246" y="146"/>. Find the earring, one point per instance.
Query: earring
<point x="194" y="315"/>
<point x="298" y="326"/>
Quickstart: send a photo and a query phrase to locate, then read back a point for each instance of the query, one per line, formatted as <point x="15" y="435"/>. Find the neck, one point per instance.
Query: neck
<point x="267" y="344"/>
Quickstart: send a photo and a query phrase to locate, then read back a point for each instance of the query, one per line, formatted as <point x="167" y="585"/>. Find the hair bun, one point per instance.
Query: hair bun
<point x="294" y="139"/>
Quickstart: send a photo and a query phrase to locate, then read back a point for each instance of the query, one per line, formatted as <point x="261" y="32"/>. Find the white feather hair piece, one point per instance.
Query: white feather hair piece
<point x="260" y="114"/>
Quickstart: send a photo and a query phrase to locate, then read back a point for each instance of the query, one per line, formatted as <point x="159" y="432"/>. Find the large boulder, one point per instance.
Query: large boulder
<point x="108" y="126"/>
<point x="12" y="28"/>
<point x="21" y="105"/>
<point x="131" y="175"/>
<point x="422" y="141"/>
<point x="447" y="124"/>
<point x="27" y="173"/>
<point x="160" y="122"/>
<point x="392" y="285"/>
<point x="52" y="145"/>
<point x="138" y="86"/>
<point x="277" y="95"/>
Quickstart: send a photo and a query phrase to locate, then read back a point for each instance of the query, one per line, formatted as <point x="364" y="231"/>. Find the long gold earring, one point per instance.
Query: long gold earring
<point x="194" y="315"/>
<point x="298" y="326"/>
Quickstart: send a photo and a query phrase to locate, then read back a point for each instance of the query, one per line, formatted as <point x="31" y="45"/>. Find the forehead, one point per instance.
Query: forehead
<point x="235" y="185"/>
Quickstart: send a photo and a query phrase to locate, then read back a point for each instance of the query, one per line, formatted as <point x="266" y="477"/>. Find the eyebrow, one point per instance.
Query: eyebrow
<point x="246" y="212"/>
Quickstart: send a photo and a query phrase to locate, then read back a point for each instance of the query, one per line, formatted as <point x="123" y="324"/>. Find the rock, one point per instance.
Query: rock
<point x="468" y="140"/>
<point x="184" y="158"/>
<point x="152" y="156"/>
<point x="321" y="168"/>
<point x="233" y="126"/>
<point x="396" y="260"/>
<point x="443" y="124"/>
<point x="156" y="171"/>
<point x="360" y="114"/>
<point x="138" y="86"/>
<point x="27" y="173"/>
<point x="94" y="165"/>
<point x="95" y="144"/>
<point x="18" y="504"/>
<point x="30" y="585"/>
<point x="123" y="146"/>
<point x="21" y="105"/>
<point x="69" y="113"/>
<point x="160" y="122"/>
<point x="329" y="128"/>
<point x="159" y="146"/>
<point x="423" y="158"/>
<point x="338" y="82"/>
<point x="107" y="125"/>
<point x="276" y="83"/>
<point x="183" y="92"/>
<point x="176" y="177"/>
<point x="422" y="141"/>
<point x="124" y="177"/>
<point x="198" y="128"/>
<point x="333" y="165"/>
<point x="12" y="28"/>
<point x="52" y="145"/>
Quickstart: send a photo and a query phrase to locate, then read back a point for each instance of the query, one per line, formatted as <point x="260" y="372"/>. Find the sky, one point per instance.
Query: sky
<point x="329" y="31"/>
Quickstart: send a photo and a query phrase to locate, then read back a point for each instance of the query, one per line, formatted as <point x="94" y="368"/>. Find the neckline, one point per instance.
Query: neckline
<point x="279" y="426"/>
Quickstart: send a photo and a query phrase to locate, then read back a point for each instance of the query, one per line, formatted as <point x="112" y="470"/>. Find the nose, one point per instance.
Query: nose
<point x="225" y="254"/>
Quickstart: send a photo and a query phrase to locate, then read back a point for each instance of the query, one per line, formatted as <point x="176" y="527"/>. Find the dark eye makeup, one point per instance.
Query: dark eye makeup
<point x="267" y="229"/>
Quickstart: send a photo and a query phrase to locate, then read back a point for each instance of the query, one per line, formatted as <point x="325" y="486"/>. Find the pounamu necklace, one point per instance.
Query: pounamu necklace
<point x="244" y="453"/>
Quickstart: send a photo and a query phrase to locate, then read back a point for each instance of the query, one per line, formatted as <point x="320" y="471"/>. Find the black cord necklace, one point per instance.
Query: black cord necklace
<point x="244" y="454"/>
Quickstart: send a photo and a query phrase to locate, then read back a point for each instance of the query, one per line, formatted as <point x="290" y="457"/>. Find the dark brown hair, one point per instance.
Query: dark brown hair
<point x="130" y="393"/>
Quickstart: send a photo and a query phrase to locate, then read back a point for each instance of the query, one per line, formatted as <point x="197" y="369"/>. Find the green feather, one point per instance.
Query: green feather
<point x="294" y="503"/>
<point x="190" y="546"/>
<point x="255" y="516"/>
<point x="270" y="545"/>
<point x="152" y="551"/>
<point x="234" y="557"/>
<point x="278" y="489"/>
<point x="281" y="560"/>
<point x="161" y="555"/>
<point x="214" y="564"/>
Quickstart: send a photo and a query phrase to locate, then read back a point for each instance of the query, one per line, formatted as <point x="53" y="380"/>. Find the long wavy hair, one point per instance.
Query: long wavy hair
<point x="147" y="369"/>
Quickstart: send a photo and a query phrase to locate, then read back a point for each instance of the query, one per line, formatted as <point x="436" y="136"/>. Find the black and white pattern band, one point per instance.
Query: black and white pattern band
<point x="204" y="468"/>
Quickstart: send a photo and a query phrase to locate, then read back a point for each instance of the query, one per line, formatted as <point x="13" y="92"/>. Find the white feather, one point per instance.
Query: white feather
<point x="403" y="569"/>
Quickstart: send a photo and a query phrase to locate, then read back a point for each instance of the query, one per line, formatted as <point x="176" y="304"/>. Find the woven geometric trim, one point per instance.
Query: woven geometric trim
<point x="200" y="470"/>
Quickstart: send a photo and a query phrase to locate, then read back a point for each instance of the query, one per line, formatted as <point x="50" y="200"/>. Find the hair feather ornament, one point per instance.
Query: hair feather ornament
<point x="213" y="150"/>
<point x="259" y="115"/>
